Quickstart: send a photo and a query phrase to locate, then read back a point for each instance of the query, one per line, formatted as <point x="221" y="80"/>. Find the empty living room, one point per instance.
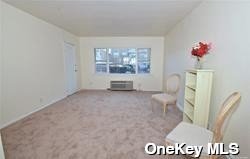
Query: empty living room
<point x="124" y="79"/>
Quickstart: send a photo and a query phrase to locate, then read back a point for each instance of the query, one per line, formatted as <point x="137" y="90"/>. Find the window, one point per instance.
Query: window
<point x="100" y="60"/>
<point x="122" y="60"/>
<point x="143" y="60"/>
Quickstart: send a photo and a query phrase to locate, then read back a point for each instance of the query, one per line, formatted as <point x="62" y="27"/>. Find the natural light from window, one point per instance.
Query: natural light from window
<point x="122" y="60"/>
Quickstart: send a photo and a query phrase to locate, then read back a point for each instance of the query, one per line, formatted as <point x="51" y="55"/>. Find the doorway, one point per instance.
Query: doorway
<point x="70" y="68"/>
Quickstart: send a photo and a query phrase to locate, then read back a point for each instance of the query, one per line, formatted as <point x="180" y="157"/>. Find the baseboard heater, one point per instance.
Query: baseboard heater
<point x="121" y="86"/>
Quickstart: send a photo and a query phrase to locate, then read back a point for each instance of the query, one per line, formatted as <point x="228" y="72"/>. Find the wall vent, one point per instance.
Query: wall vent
<point x="121" y="85"/>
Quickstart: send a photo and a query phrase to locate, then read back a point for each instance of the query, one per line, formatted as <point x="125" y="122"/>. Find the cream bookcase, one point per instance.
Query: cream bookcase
<point x="197" y="96"/>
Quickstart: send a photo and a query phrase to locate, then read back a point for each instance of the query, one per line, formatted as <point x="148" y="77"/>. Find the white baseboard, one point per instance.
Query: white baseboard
<point x="36" y="110"/>
<point x="179" y="106"/>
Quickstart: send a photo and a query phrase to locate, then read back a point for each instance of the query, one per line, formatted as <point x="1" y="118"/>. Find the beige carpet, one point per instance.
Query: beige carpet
<point x="91" y="125"/>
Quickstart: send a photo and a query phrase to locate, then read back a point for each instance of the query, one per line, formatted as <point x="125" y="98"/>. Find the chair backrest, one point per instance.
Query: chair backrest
<point x="173" y="84"/>
<point x="225" y="112"/>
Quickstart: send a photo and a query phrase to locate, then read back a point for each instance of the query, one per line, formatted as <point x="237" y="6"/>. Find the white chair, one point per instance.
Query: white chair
<point x="194" y="135"/>
<point x="170" y="97"/>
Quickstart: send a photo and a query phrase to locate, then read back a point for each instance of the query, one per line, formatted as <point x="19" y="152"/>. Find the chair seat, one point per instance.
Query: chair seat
<point x="190" y="134"/>
<point x="164" y="98"/>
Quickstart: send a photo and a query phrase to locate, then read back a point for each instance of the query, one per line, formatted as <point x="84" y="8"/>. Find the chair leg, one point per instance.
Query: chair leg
<point x="164" y="108"/>
<point x="152" y="105"/>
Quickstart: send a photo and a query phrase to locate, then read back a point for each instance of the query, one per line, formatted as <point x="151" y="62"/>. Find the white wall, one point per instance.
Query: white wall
<point x="150" y="82"/>
<point x="1" y="146"/>
<point x="226" y="25"/>
<point x="33" y="63"/>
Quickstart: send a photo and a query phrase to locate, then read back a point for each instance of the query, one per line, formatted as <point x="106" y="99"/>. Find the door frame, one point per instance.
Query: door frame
<point x="65" y="69"/>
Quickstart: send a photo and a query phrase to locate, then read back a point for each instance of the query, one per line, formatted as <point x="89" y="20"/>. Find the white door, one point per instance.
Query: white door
<point x="70" y="68"/>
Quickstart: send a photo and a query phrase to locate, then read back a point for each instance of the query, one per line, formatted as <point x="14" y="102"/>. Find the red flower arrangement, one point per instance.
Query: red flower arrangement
<point x="200" y="50"/>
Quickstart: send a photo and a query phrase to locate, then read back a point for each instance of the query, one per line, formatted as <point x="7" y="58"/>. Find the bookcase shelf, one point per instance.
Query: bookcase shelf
<point x="190" y="101"/>
<point x="197" y="96"/>
<point x="193" y="87"/>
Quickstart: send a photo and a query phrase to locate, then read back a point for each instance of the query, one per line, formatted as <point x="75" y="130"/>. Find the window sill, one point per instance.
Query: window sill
<point x="120" y="74"/>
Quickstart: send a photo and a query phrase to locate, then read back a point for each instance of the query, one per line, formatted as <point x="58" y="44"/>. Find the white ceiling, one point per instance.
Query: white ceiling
<point x="110" y="17"/>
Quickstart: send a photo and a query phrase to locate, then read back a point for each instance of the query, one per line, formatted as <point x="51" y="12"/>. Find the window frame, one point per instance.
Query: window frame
<point x="149" y="61"/>
<point x="136" y="65"/>
<point x="96" y="61"/>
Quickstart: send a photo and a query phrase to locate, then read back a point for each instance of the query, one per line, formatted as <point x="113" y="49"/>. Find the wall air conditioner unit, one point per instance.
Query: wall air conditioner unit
<point x="121" y="86"/>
